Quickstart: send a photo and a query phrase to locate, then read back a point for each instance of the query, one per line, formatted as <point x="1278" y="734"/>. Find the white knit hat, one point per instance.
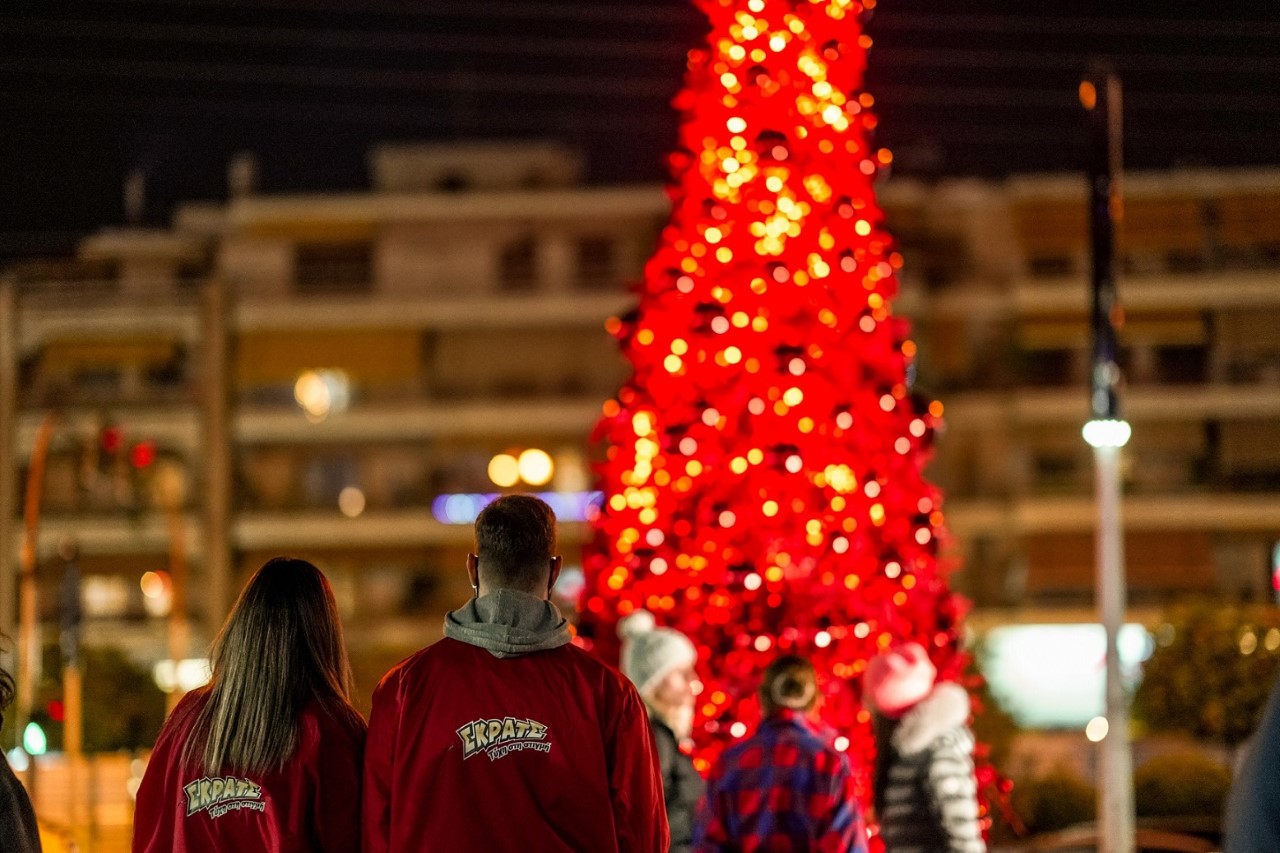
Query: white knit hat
<point x="649" y="653"/>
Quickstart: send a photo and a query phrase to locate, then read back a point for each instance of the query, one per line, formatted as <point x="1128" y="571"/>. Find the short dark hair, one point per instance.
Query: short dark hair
<point x="789" y="682"/>
<point x="515" y="542"/>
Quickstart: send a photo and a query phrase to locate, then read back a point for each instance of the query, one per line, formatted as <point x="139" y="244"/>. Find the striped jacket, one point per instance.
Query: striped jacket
<point x="925" y="790"/>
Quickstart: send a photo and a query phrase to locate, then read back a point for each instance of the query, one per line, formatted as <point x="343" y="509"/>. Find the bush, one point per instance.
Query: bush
<point x="1054" y="802"/>
<point x="112" y="680"/>
<point x="993" y="726"/>
<point x="1181" y="784"/>
<point x="1211" y="672"/>
<point x="123" y="707"/>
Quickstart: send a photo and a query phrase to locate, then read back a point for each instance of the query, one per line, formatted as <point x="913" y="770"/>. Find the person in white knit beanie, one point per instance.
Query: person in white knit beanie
<point x="660" y="662"/>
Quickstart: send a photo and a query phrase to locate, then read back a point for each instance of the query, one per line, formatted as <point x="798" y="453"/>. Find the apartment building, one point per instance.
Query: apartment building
<point x="338" y="376"/>
<point x="318" y="375"/>
<point x="1000" y="299"/>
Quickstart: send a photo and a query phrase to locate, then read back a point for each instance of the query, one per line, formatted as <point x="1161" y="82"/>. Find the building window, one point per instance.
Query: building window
<point x="334" y="267"/>
<point x="1049" y="367"/>
<point x="191" y="273"/>
<point x="1180" y="364"/>
<point x="1057" y="472"/>
<point x="518" y="265"/>
<point x="596" y="263"/>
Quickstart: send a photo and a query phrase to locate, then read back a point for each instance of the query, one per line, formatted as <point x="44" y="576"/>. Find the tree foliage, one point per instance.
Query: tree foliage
<point x="1211" y="671"/>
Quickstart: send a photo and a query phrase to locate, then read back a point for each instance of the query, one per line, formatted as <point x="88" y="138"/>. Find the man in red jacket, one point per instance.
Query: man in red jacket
<point x="503" y="735"/>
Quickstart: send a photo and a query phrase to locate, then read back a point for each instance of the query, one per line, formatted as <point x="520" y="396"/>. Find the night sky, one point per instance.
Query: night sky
<point x="90" y="89"/>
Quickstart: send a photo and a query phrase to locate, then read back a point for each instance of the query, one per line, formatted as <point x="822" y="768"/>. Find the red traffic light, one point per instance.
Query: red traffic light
<point x="110" y="438"/>
<point x="57" y="712"/>
<point x="143" y="454"/>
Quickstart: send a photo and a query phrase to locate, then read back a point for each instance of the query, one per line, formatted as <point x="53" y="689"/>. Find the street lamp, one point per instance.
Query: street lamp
<point x="1106" y="433"/>
<point x="1109" y="432"/>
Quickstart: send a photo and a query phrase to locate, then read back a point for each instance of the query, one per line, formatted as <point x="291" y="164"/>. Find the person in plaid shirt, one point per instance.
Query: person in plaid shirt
<point x="785" y="789"/>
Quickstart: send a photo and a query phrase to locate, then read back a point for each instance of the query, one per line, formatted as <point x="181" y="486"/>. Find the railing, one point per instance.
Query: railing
<point x="80" y="294"/>
<point x="106" y="395"/>
<point x="425" y="389"/>
<point x="1160" y="234"/>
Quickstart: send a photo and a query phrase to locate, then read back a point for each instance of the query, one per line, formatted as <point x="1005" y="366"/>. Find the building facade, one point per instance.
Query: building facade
<point x="333" y="376"/>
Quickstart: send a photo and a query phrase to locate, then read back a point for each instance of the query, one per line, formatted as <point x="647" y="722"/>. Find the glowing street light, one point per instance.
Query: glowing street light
<point x="533" y="466"/>
<point x="1097" y="729"/>
<point x="34" y="740"/>
<point x="504" y="470"/>
<point x="536" y="467"/>
<point x="351" y="501"/>
<point x="1107" y="433"/>
<point x="321" y="392"/>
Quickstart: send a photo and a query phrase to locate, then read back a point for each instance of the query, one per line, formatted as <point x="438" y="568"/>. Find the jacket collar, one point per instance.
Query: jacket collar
<point x="944" y="709"/>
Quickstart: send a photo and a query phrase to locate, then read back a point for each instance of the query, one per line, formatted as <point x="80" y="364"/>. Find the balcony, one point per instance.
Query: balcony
<point x="418" y="421"/>
<point x="74" y="310"/>
<point x="1170" y="224"/>
<point x="582" y="310"/>
<point x="173" y="428"/>
<point x="1216" y="511"/>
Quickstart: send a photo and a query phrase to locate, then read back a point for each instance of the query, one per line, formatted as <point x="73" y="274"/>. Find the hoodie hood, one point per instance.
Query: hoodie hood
<point x="945" y="709"/>
<point x="507" y="623"/>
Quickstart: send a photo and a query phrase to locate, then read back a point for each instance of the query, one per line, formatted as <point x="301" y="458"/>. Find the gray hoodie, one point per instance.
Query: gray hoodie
<point x="508" y="623"/>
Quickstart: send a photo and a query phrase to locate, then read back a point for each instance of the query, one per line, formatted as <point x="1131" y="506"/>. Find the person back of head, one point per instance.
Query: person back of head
<point x="789" y="683"/>
<point x="515" y="546"/>
<point x="281" y="647"/>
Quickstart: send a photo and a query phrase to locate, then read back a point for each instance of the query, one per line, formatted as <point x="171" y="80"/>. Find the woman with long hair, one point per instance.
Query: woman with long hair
<point x="18" y="831"/>
<point x="268" y="756"/>
<point x="785" y="787"/>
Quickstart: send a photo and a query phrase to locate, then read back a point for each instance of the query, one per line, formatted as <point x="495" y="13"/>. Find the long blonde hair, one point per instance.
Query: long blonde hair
<point x="280" y="648"/>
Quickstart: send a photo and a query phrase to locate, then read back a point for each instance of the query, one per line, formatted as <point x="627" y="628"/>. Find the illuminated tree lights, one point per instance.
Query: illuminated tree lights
<point x="762" y="478"/>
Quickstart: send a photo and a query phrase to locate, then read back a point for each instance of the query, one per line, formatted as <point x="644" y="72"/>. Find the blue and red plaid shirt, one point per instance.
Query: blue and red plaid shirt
<point x="783" y="790"/>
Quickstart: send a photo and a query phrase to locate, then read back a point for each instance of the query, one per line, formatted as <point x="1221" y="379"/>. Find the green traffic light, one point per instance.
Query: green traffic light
<point x="34" y="740"/>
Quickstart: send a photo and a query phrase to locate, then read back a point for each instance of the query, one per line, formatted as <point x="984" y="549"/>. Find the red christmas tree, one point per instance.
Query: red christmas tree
<point x="763" y="486"/>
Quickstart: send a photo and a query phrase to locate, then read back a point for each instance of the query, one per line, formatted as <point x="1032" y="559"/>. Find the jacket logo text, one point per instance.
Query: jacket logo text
<point x="497" y="738"/>
<point x="223" y="794"/>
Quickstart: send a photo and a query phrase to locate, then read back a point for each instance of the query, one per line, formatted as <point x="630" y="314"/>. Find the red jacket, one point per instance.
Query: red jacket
<point x="311" y="804"/>
<point x="540" y="752"/>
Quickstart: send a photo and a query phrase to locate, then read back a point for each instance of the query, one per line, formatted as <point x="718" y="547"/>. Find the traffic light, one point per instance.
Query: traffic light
<point x="143" y="454"/>
<point x="111" y="439"/>
<point x="34" y="740"/>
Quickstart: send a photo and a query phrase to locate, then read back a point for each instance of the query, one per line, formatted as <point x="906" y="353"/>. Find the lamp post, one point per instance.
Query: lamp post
<point x="72" y="679"/>
<point x="28" y="615"/>
<point x="1107" y="432"/>
<point x="171" y="486"/>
